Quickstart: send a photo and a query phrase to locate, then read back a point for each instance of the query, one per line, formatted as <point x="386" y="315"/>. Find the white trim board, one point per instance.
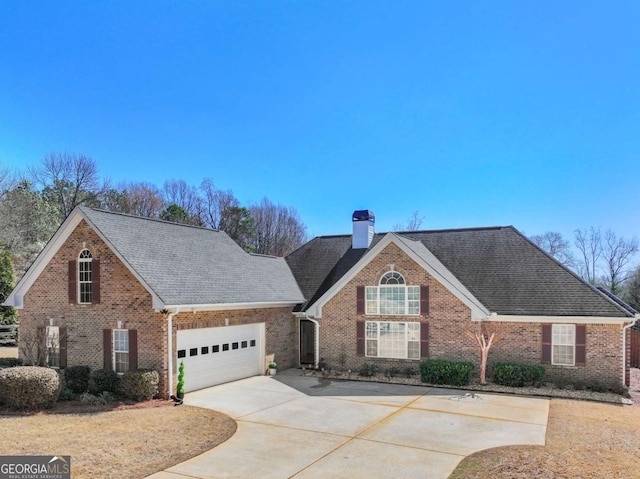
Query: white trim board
<point x="192" y="308"/>
<point x="505" y="318"/>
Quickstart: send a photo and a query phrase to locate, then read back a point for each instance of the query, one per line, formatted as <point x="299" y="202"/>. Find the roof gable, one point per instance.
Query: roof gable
<point x="179" y="264"/>
<point x="417" y="252"/>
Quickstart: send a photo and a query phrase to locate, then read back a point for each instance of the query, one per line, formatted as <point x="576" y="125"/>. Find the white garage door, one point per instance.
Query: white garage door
<point x="218" y="355"/>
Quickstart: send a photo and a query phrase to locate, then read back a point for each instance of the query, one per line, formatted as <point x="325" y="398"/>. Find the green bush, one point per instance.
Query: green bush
<point x="139" y="385"/>
<point x="392" y="372"/>
<point x="28" y="387"/>
<point x="518" y="375"/>
<point x="66" y="394"/>
<point x="368" y="370"/>
<point x="10" y="362"/>
<point x="102" y="399"/>
<point x="102" y="380"/>
<point x="409" y="372"/>
<point x="77" y="378"/>
<point x="441" y="371"/>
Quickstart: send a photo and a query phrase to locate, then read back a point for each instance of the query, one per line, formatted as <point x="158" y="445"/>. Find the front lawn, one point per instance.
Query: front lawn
<point x="584" y="440"/>
<point x="123" y="443"/>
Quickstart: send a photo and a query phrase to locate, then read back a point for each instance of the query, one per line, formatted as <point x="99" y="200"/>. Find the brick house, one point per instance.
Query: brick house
<point x="108" y="287"/>
<point x="122" y="292"/>
<point x="393" y="299"/>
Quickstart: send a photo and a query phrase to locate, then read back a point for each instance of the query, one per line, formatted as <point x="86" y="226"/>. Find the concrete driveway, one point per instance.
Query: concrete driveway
<point x="306" y="427"/>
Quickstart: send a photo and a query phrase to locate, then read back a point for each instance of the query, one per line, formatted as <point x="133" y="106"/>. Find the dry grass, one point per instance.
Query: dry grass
<point x="128" y="443"/>
<point x="584" y="440"/>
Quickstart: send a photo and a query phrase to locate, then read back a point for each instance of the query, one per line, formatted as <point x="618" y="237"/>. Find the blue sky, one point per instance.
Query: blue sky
<point x="473" y="113"/>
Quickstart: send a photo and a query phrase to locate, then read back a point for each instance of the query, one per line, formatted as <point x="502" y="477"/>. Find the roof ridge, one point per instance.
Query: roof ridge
<point x="157" y="220"/>
<point x="443" y="230"/>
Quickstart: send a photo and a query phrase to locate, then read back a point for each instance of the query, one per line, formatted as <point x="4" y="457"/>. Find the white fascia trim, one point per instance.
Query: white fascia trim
<point x="193" y="308"/>
<point x="505" y="318"/>
<point x="425" y="259"/>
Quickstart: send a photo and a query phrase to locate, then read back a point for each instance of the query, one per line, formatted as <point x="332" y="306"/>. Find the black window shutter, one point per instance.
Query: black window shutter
<point x="546" y="344"/>
<point x="424" y="300"/>
<point x="133" y="350"/>
<point x="359" y="299"/>
<point x="73" y="290"/>
<point x="424" y="340"/>
<point x="581" y="344"/>
<point x="360" y="338"/>
<point x="63" y="347"/>
<point x="41" y="338"/>
<point x="95" y="281"/>
<point x="107" y="345"/>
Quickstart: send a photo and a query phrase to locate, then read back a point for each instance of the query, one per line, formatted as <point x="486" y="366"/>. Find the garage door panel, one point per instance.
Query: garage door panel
<point x="216" y="355"/>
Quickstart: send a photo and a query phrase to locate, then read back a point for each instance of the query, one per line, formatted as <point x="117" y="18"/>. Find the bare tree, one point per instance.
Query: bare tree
<point x="27" y="222"/>
<point x="139" y="199"/>
<point x="413" y="223"/>
<point x="632" y="290"/>
<point x="555" y="245"/>
<point x="33" y="347"/>
<point x="589" y="243"/>
<point x="68" y="180"/>
<point x="617" y="253"/>
<point x="278" y="229"/>
<point x="484" y="342"/>
<point x="6" y="180"/>
<point x="215" y="204"/>
<point x="179" y="193"/>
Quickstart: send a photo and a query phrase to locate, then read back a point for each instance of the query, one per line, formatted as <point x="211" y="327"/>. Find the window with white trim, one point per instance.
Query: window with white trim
<point x="52" y="343"/>
<point x="392" y="297"/>
<point x="121" y="350"/>
<point x="387" y="339"/>
<point x="563" y="344"/>
<point x="84" y="277"/>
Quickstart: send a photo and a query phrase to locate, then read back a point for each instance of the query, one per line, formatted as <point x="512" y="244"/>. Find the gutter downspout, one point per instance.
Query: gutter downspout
<point x="624" y="348"/>
<point x="170" y="349"/>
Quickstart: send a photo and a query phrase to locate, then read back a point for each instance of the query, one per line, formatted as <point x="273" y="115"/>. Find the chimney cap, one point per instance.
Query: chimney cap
<point x="363" y="215"/>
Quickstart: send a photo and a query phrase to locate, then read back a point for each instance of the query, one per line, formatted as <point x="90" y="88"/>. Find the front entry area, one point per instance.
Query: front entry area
<point x="307" y="342"/>
<point x="214" y="356"/>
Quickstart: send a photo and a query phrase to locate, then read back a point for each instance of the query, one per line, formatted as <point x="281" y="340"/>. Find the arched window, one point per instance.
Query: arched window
<point x="393" y="297"/>
<point x="85" y="277"/>
<point x="392" y="278"/>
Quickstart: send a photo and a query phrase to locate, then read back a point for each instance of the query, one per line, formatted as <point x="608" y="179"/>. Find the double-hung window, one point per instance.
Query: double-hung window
<point x="52" y="343"/>
<point x="392" y="297"/>
<point x="563" y="343"/>
<point x="121" y="350"/>
<point x="387" y="339"/>
<point x="84" y="277"/>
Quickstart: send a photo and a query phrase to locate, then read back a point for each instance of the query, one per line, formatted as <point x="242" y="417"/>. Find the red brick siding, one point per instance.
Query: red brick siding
<point x="449" y="322"/>
<point x="124" y="298"/>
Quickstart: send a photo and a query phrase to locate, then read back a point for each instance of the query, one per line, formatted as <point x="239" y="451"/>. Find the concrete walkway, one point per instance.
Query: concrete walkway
<point x="306" y="427"/>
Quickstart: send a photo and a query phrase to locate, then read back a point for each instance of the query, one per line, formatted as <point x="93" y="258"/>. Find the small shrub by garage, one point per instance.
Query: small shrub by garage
<point x="441" y="371"/>
<point x="102" y="380"/>
<point x="139" y="385"/>
<point x="77" y="378"/>
<point x="28" y="387"/>
<point x="518" y="375"/>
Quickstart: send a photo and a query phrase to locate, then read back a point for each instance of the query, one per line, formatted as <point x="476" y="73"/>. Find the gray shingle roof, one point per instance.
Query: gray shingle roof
<point x="505" y="271"/>
<point x="189" y="265"/>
